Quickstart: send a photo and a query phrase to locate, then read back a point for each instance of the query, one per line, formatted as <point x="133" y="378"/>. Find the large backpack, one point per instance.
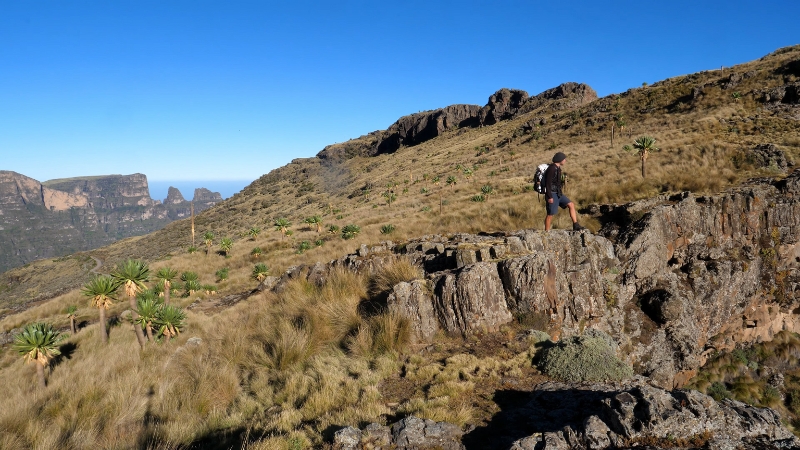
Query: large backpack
<point x="538" y="178"/>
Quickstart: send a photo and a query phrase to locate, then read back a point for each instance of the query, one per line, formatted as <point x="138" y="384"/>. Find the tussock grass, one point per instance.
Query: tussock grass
<point x="392" y="273"/>
<point x="284" y="367"/>
<point x="747" y="374"/>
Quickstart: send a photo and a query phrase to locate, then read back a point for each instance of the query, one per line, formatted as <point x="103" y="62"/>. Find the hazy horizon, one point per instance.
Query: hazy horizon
<point x="226" y="188"/>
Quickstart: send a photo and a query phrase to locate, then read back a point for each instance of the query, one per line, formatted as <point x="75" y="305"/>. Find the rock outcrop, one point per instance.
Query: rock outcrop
<point x="671" y="279"/>
<point x="59" y="217"/>
<point x="563" y="416"/>
<point x="174" y="197"/>
<point x="599" y="416"/>
<point x="411" y="433"/>
<point x="414" y="129"/>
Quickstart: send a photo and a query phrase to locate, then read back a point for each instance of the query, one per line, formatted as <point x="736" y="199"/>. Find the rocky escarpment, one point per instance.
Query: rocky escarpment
<point x="59" y="217"/>
<point x="672" y="279"/>
<point x="416" y="128"/>
<point x="562" y="416"/>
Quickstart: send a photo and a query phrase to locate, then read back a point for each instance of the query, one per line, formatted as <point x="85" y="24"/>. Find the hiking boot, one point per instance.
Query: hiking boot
<point x="578" y="227"/>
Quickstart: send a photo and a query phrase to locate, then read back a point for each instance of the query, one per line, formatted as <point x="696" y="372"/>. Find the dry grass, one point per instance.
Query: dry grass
<point x="283" y="368"/>
<point x="745" y="375"/>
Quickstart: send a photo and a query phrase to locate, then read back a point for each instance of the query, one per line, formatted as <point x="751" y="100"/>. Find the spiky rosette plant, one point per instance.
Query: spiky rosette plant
<point x="170" y="321"/>
<point x="260" y="272"/>
<point x="165" y="275"/>
<point x="101" y="291"/>
<point x="315" y="221"/>
<point x="350" y="231"/>
<point x="643" y="145"/>
<point x="38" y="344"/>
<point x="132" y="276"/>
<point x="148" y="307"/>
<point x="225" y="246"/>
<point x="72" y="311"/>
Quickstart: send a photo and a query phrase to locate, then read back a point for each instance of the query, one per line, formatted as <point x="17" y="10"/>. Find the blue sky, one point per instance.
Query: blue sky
<point x="228" y="90"/>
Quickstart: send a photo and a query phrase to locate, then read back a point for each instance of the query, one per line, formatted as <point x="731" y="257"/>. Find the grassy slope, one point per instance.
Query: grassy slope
<point x="236" y="381"/>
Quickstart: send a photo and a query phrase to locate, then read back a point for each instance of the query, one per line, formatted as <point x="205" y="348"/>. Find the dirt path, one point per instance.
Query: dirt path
<point x="99" y="263"/>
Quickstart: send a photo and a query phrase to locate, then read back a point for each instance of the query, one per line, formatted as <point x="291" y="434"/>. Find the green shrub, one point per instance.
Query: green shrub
<point x="387" y="229"/>
<point x="584" y="358"/>
<point x="192" y="249"/>
<point x="478" y="198"/>
<point x="350" y="231"/>
<point x="718" y="391"/>
<point x="222" y="274"/>
<point x="303" y="246"/>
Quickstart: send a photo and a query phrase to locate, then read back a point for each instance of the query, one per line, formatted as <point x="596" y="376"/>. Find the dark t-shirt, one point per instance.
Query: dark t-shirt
<point x="552" y="180"/>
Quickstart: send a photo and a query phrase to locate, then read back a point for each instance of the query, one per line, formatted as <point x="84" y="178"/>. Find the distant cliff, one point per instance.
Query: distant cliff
<point x="59" y="217"/>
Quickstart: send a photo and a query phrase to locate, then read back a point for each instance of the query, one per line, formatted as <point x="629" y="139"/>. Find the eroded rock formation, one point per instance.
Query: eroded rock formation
<point x="414" y="129"/>
<point x="672" y="279"/>
<point x="59" y="217"/>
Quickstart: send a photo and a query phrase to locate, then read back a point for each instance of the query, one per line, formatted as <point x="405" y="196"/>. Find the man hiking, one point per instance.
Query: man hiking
<point x="554" y="196"/>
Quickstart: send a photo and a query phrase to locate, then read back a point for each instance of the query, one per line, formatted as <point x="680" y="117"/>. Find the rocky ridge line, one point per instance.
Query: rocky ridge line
<point x="414" y="129"/>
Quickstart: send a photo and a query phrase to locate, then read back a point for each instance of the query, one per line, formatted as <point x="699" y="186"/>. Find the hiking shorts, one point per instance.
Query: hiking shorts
<point x="558" y="200"/>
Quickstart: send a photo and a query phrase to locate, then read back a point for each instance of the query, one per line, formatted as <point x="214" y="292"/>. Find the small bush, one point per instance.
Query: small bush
<point x="387" y="229"/>
<point x="222" y="274"/>
<point x="584" y="358"/>
<point x="319" y="242"/>
<point x="718" y="391"/>
<point x="478" y="198"/>
<point x="333" y="229"/>
<point x="350" y="231"/>
<point x="192" y="249"/>
<point x="303" y="246"/>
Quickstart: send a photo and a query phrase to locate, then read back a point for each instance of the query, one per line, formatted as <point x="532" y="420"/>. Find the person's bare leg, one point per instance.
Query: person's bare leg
<point x="548" y="219"/>
<point x="572" y="214"/>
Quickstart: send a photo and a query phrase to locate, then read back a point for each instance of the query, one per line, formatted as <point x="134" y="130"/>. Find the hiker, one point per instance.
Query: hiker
<point x="554" y="196"/>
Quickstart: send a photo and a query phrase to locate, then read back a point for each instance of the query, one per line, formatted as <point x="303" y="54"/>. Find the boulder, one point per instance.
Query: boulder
<point x="770" y="156"/>
<point x="470" y="299"/>
<point x="415" y="433"/>
<point x="414" y="301"/>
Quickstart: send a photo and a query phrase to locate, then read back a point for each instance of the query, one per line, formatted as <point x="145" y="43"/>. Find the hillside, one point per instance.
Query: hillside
<point x="448" y="301"/>
<point x="706" y="124"/>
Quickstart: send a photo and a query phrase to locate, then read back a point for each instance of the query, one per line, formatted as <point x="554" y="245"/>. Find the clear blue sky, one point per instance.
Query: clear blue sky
<point x="228" y="90"/>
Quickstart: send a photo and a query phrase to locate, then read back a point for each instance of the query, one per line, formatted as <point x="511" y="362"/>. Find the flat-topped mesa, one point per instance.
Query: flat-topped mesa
<point x="417" y="128"/>
<point x="108" y="191"/>
<point x="63" y="216"/>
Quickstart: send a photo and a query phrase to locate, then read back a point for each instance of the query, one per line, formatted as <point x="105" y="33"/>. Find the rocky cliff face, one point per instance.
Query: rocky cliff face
<point x="59" y="217"/>
<point x="416" y="128"/>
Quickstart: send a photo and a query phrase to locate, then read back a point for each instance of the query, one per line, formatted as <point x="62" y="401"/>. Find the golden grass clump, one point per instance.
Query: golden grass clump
<point x="388" y="275"/>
